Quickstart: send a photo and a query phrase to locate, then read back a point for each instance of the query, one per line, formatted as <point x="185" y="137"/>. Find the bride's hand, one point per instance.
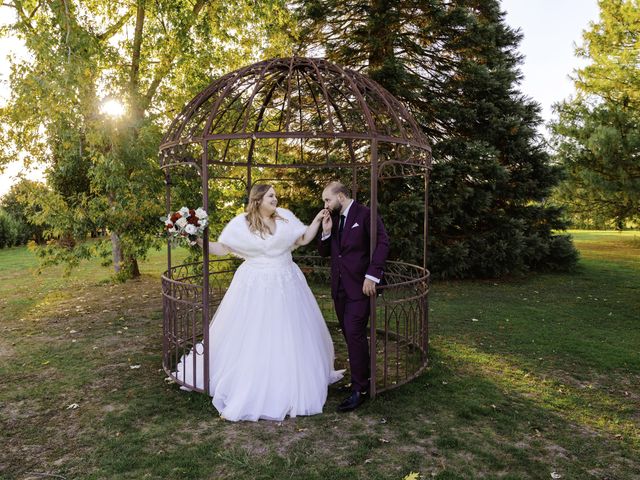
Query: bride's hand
<point x="327" y="223"/>
<point x="320" y="216"/>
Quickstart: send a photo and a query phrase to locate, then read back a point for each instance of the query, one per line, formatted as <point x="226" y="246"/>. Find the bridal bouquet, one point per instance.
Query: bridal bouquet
<point x="186" y="223"/>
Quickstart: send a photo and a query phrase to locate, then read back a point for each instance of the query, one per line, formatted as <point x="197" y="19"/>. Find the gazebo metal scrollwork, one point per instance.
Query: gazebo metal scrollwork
<point x="286" y="115"/>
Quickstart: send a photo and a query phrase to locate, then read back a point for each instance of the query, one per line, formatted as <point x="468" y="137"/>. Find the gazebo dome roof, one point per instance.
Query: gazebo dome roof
<point x="299" y="98"/>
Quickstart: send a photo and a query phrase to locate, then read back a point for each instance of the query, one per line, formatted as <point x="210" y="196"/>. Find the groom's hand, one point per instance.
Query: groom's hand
<point x="369" y="287"/>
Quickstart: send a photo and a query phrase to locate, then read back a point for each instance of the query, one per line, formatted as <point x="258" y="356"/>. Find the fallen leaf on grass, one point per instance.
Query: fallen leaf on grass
<point x="383" y="440"/>
<point x="132" y="367"/>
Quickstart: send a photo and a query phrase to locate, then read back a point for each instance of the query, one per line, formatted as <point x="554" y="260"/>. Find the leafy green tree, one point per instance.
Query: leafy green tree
<point x="8" y="230"/>
<point x="16" y="203"/>
<point x="152" y="57"/>
<point x="455" y="64"/>
<point x="596" y="134"/>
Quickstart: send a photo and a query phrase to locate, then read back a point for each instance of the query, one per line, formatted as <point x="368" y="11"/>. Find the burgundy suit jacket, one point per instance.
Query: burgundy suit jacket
<point x="350" y="260"/>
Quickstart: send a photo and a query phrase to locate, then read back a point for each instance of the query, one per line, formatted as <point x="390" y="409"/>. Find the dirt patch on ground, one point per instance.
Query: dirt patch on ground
<point x="6" y="349"/>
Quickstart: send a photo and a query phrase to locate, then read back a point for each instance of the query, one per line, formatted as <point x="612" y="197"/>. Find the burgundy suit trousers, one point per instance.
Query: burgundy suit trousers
<point x="353" y="316"/>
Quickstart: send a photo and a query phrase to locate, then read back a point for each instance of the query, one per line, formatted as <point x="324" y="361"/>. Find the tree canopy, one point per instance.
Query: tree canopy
<point x="149" y="56"/>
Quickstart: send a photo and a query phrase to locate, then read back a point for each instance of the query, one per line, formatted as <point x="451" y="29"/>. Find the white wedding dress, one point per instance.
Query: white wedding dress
<point x="271" y="354"/>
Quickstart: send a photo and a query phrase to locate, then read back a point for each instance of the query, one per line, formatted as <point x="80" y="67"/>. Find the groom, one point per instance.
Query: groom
<point x="354" y="276"/>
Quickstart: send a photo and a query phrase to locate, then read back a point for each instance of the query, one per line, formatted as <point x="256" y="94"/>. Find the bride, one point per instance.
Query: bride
<point x="271" y="354"/>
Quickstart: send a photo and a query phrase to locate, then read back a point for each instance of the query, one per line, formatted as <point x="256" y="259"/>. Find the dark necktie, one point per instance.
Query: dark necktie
<point x="341" y="227"/>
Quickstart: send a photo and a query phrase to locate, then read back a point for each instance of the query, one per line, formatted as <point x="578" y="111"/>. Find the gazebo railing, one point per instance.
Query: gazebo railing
<point x="402" y="333"/>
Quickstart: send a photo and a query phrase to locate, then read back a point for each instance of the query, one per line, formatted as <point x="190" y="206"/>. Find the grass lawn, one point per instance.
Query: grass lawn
<point x="533" y="377"/>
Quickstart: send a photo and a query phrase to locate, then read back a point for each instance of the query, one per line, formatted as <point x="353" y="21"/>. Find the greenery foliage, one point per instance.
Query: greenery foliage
<point x="17" y="223"/>
<point x="152" y="57"/>
<point x="455" y="64"/>
<point x="597" y="133"/>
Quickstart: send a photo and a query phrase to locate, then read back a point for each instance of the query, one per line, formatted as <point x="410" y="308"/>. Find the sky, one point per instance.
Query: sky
<point x="551" y="30"/>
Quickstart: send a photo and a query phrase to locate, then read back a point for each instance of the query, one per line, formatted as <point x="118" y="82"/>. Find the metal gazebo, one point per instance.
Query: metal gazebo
<point x="274" y="120"/>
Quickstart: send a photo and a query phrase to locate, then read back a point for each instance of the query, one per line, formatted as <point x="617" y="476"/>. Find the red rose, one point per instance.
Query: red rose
<point x="193" y="220"/>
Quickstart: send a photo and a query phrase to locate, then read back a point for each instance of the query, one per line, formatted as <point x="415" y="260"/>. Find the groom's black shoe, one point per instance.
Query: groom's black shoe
<point x="354" y="401"/>
<point x="344" y="388"/>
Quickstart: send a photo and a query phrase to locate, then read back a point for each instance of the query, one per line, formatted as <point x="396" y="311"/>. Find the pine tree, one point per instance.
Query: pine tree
<point x="597" y="133"/>
<point x="455" y="64"/>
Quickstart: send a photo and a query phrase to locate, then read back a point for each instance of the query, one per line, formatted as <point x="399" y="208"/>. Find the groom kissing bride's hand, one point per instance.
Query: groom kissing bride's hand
<point x="267" y="321"/>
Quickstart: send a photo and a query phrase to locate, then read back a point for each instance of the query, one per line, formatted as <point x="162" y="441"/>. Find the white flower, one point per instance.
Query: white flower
<point x="184" y="211"/>
<point x="201" y="214"/>
<point x="191" y="229"/>
<point x="181" y="222"/>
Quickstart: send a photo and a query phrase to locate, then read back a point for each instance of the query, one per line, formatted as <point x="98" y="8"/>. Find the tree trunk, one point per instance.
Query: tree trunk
<point x="132" y="267"/>
<point x="116" y="250"/>
<point x="134" y="95"/>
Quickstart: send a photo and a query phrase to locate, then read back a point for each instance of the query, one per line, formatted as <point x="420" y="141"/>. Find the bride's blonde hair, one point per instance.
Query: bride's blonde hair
<point x="256" y="224"/>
